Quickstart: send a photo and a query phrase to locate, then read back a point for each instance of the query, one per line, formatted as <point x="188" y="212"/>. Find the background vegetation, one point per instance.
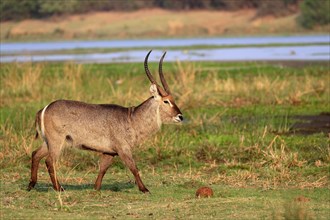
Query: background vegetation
<point x="313" y="12"/>
<point x="239" y="139"/>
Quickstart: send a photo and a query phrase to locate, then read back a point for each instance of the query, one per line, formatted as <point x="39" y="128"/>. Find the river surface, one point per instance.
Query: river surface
<point x="245" y="49"/>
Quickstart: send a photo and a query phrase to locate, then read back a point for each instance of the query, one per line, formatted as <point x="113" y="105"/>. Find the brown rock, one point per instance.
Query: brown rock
<point x="204" y="192"/>
<point x="302" y="199"/>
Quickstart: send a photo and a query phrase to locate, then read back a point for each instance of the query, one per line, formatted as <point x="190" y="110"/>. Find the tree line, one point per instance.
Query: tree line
<point x="314" y="12"/>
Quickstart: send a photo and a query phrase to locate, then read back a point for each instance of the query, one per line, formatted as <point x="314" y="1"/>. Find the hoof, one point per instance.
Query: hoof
<point x="60" y="189"/>
<point x="31" y="186"/>
<point x="146" y="191"/>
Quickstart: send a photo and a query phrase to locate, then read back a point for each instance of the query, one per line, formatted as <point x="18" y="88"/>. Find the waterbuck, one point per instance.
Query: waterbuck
<point x="106" y="128"/>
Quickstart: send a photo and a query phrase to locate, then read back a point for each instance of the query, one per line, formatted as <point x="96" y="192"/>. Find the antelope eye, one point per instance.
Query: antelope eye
<point x="166" y="102"/>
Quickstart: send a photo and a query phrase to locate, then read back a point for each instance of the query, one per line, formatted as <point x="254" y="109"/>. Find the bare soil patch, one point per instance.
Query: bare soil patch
<point x="310" y="124"/>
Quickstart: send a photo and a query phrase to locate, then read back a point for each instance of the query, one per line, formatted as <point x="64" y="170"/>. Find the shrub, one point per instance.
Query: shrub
<point x="314" y="12"/>
<point x="277" y="8"/>
<point x="17" y="9"/>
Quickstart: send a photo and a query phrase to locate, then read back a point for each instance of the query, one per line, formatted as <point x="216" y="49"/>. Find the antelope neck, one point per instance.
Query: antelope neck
<point x="145" y="118"/>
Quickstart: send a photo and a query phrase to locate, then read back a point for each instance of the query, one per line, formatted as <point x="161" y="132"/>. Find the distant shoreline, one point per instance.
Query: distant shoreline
<point x="152" y="24"/>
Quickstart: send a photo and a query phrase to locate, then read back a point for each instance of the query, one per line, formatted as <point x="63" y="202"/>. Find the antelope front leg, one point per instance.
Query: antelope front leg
<point x="126" y="156"/>
<point x="106" y="161"/>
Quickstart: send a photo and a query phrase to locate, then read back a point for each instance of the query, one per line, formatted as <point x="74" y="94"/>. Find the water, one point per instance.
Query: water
<point x="6" y="48"/>
<point x="19" y="52"/>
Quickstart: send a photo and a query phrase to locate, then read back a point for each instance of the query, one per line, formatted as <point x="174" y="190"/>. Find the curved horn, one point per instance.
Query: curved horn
<point x="161" y="75"/>
<point x="151" y="78"/>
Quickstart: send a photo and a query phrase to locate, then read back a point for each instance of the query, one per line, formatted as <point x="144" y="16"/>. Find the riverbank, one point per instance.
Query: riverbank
<point x="152" y="23"/>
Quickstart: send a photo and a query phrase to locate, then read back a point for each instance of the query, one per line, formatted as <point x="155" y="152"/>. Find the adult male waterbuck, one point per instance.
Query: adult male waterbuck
<point x="110" y="129"/>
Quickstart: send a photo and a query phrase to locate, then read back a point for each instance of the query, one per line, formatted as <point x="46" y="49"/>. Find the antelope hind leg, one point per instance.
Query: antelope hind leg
<point x="37" y="155"/>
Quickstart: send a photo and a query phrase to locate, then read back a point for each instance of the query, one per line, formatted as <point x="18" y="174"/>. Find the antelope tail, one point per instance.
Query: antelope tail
<point x="40" y="123"/>
<point x="37" y="124"/>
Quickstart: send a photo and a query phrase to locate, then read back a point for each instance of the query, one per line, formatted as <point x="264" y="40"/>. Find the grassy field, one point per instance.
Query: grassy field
<point x="239" y="138"/>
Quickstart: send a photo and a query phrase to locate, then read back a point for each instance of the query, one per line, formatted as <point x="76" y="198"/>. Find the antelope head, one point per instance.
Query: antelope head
<point x="168" y="110"/>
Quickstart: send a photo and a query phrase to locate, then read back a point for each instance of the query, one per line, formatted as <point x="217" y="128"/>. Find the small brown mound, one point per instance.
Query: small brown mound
<point x="204" y="192"/>
<point x="302" y="199"/>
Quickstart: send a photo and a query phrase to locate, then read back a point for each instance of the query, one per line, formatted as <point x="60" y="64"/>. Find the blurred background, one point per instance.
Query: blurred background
<point x="115" y="19"/>
<point x="100" y="30"/>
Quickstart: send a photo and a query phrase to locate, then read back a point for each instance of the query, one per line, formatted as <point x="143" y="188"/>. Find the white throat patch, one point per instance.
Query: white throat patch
<point x="159" y="121"/>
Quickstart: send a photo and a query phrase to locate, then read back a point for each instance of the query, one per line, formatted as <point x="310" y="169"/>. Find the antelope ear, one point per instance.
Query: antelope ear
<point x="154" y="92"/>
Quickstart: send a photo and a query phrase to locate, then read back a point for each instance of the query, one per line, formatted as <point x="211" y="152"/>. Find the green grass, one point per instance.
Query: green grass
<point x="173" y="196"/>
<point x="236" y="140"/>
